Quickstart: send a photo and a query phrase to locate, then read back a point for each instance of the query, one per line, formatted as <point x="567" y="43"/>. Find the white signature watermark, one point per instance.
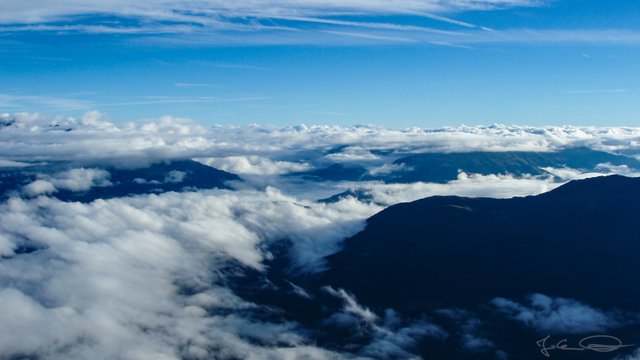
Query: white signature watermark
<point x="596" y="343"/>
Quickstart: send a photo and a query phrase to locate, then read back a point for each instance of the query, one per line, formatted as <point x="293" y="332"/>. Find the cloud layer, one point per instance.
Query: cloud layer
<point x="143" y="273"/>
<point x="28" y="136"/>
<point x="150" y="273"/>
<point x="262" y="155"/>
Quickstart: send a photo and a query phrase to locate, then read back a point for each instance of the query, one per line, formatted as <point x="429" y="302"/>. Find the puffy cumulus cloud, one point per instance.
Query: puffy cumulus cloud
<point x="79" y="179"/>
<point x="39" y="187"/>
<point x="557" y="315"/>
<point x="141" y="277"/>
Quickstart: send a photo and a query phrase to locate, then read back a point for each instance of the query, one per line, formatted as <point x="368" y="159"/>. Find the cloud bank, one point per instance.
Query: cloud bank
<point x="140" y="277"/>
<point x="34" y="137"/>
<point x="263" y="155"/>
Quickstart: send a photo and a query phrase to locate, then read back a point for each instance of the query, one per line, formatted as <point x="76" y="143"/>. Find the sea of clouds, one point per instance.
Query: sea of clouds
<point x="143" y="277"/>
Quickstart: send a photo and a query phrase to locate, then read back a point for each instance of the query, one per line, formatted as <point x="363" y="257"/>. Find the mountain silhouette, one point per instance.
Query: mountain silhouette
<point x="159" y="177"/>
<point x="444" y="167"/>
<point x="580" y="240"/>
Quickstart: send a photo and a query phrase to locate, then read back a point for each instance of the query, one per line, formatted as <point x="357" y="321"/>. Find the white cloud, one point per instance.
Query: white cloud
<point x="7" y="246"/>
<point x="144" y="273"/>
<point x="219" y="22"/>
<point x="389" y="336"/>
<point x="618" y="169"/>
<point x="557" y="315"/>
<point x="92" y="137"/>
<point x="107" y="277"/>
<point x="40" y="187"/>
<point x="262" y="153"/>
<point x="254" y="165"/>
<point x="175" y="176"/>
<point x="79" y="179"/>
<point x="387" y="169"/>
<point x="280" y="21"/>
<point x="216" y="13"/>
<point x="352" y="154"/>
<point x="12" y="164"/>
<point x="470" y="185"/>
<point x="352" y="306"/>
<point x="258" y="149"/>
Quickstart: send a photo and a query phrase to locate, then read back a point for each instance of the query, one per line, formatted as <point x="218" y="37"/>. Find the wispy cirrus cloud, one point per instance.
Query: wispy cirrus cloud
<point x="253" y="22"/>
<point x="72" y="102"/>
<point x="220" y="12"/>
<point x="44" y="102"/>
<point x="273" y="22"/>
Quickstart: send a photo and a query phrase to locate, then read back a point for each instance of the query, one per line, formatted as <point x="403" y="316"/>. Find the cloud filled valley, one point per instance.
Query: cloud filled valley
<point x="171" y="240"/>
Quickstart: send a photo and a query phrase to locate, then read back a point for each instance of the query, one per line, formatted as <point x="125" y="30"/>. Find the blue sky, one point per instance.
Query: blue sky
<point x="422" y="63"/>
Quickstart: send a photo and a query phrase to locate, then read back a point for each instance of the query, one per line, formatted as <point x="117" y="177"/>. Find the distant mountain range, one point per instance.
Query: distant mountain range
<point x="444" y="167"/>
<point x="177" y="175"/>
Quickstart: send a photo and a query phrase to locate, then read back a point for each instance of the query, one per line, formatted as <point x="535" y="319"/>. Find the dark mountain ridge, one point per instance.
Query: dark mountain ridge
<point x="445" y="167"/>
<point x="446" y="259"/>
<point x="159" y="177"/>
<point x="580" y="240"/>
